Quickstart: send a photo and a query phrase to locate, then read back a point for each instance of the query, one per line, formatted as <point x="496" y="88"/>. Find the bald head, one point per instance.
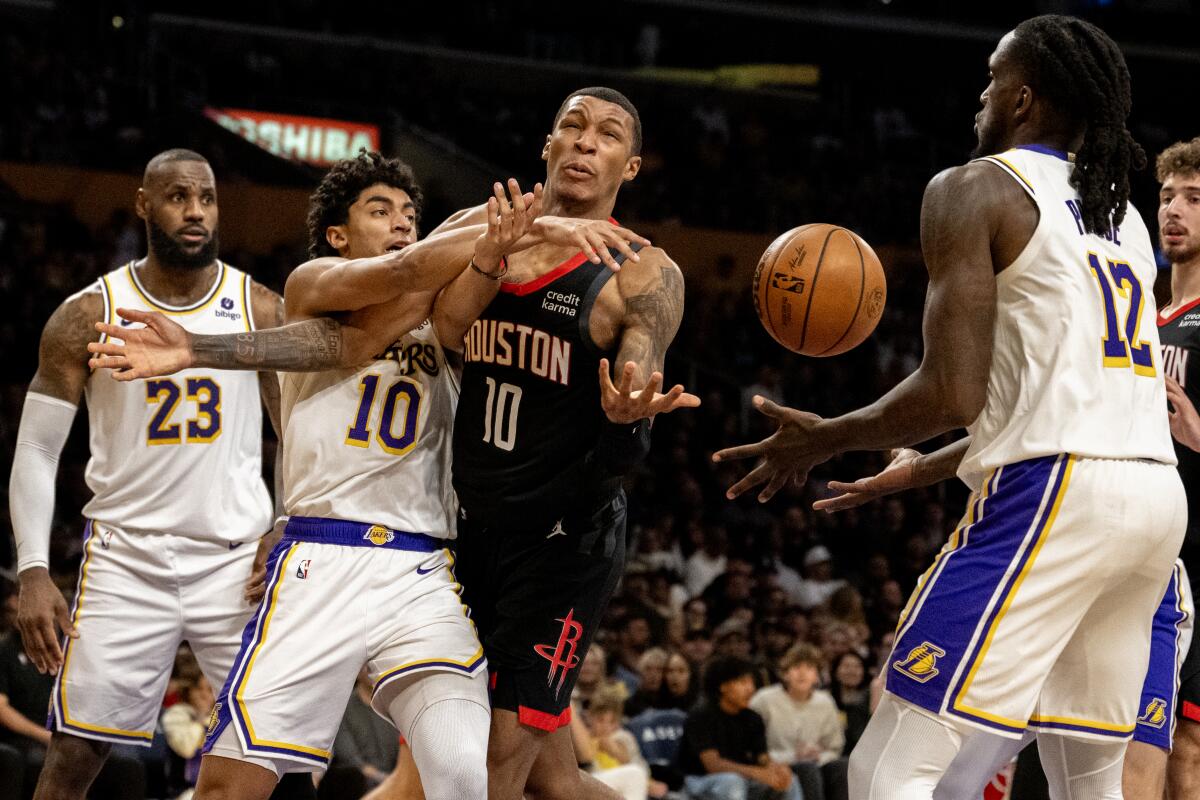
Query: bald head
<point x="157" y="165"/>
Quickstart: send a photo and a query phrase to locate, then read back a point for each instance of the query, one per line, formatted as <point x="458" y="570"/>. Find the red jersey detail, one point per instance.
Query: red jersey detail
<point x="1175" y="314"/>
<point x="521" y="289"/>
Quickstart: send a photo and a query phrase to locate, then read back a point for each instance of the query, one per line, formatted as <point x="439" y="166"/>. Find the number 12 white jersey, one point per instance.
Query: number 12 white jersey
<point x="1076" y="365"/>
<point x="372" y="444"/>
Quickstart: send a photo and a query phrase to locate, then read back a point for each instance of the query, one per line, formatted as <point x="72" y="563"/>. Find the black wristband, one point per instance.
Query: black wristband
<point x="622" y="447"/>
<point x="493" y="276"/>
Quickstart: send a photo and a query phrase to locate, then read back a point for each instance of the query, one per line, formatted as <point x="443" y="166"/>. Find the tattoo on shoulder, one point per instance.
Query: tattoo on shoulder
<point x="655" y="314"/>
<point x="62" y="354"/>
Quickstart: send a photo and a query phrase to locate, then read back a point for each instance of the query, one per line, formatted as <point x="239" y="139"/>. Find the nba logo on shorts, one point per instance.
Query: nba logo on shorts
<point x="378" y="535"/>
<point x="302" y="569"/>
<point x="920" y="664"/>
<point x="1155" y="714"/>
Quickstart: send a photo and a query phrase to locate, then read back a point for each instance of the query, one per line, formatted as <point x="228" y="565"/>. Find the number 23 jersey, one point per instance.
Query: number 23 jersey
<point x="1076" y="366"/>
<point x="372" y="444"/>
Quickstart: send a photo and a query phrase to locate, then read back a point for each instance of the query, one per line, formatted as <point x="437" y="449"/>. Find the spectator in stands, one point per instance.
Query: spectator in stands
<point x="724" y="750"/>
<point x="652" y="667"/>
<point x="818" y="583"/>
<point x="609" y="751"/>
<point x="804" y="728"/>
<point x="698" y="647"/>
<point x="365" y="749"/>
<point x="708" y="561"/>
<point x="185" y="723"/>
<point x="634" y="638"/>
<point x="695" y="615"/>
<point x="851" y="692"/>
<point x="593" y="674"/>
<point x="680" y="689"/>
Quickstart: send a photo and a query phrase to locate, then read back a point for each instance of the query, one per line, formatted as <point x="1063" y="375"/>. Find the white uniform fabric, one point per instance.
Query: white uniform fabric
<point x="330" y="609"/>
<point x="1076" y="365"/>
<point x="1038" y="611"/>
<point x="381" y="437"/>
<point x="181" y="454"/>
<point x="139" y="595"/>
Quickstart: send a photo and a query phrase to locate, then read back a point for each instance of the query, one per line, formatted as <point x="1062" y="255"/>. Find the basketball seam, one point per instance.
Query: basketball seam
<point x="813" y="289"/>
<point x="862" y="288"/>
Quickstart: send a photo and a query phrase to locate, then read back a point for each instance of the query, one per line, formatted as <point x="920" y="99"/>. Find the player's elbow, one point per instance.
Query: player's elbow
<point x="964" y="404"/>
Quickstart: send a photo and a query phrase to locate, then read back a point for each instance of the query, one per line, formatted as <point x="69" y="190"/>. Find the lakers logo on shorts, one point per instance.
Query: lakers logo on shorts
<point x="213" y="717"/>
<point x="1155" y="714"/>
<point x="921" y="662"/>
<point x="378" y="535"/>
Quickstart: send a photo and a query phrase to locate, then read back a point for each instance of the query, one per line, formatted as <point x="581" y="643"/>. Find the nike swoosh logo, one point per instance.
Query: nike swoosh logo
<point x="434" y="568"/>
<point x="235" y="545"/>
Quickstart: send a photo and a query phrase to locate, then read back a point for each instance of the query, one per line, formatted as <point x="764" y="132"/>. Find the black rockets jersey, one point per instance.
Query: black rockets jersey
<point x="529" y="413"/>
<point x="1180" y="337"/>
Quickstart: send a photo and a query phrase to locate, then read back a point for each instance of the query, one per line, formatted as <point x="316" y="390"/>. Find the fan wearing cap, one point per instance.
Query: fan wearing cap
<point x="818" y="583"/>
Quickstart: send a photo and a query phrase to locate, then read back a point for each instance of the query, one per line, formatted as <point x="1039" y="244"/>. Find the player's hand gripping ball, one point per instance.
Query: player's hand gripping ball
<point x="819" y="290"/>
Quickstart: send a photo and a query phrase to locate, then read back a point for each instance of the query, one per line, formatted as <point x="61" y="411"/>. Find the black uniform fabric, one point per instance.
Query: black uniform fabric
<point x="541" y="536"/>
<point x="537" y="588"/>
<point x="529" y="417"/>
<point x="740" y="737"/>
<point x="1180" y="337"/>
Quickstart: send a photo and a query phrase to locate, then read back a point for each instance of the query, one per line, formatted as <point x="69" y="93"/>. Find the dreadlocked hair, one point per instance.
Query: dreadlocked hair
<point x="330" y="202"/>
<point x="1082" y="73"/>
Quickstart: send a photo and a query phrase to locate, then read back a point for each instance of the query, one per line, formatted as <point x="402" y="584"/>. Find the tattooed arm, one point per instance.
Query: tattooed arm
<point x="652" y="291"/>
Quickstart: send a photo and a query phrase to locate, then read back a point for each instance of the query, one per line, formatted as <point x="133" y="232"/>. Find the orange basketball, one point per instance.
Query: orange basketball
<point x="819" y="290"/>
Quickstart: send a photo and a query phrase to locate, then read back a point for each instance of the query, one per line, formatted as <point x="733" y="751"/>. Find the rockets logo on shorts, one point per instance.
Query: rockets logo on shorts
<point x="1155" y="714"/>
<point x="562" y="657"/>
<point x="920" y="664"/>
<point x="378" y="535"/>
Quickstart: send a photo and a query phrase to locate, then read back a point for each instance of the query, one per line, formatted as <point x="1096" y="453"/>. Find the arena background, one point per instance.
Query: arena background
<point x="758" y="117"/>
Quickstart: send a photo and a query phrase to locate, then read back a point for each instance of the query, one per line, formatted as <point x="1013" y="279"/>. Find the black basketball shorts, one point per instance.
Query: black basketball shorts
<point x="538" y="587"/>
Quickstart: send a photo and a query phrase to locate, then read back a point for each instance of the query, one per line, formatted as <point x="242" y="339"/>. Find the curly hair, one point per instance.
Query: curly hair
<point x="339" y="189"/>
<point x="1082" y="73"/>
<point x="1181" y="158"/>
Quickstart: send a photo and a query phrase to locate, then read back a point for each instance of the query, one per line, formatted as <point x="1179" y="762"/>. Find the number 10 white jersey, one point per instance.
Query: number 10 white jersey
<point x="372" y="444"/>
<point x="1076" y="365"/>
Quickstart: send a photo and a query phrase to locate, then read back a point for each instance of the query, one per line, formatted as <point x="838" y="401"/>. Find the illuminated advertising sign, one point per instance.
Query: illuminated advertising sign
<point x="313" y="140"/>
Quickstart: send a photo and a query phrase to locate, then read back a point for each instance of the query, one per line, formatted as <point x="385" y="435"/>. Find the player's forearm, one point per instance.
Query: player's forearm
<point x="940" y="465"/>
<point x="919" y="408"/>
<point x="45" y="424"/>
<point x="311" y="345"/>
<point x="18" y="723"/>
<point x="460" y="304"/>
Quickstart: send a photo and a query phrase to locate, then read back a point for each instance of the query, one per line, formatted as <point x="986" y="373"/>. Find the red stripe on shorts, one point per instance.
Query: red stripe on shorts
<point x="540" y="719"/>
<point x="1190" y="711"/>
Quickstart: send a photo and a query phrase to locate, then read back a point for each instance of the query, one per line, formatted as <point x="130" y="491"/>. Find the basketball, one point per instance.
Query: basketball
<point x="819" y="290"/>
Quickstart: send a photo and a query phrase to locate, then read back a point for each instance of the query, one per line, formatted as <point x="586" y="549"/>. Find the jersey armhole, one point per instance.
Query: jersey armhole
<point x="247" y="308"/>
<point x="1034" y="246"/>
<point x="589" y="299"/>
<point x="106" y="296"/>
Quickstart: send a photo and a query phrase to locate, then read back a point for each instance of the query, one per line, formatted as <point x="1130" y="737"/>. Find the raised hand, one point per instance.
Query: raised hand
<point x="626" y="405"/>
<point x="789" y="453"/>
<point x="41" y="614"/>
<point x="508" y="221"/>
<point x="1185" y="422"/>
<point x="163" y="347"/>
<point x="897" y="476"/>
<point x="593" y="236"/>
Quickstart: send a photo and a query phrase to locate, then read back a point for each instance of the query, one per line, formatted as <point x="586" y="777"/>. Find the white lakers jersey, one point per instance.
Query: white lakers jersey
<point x="1075" y="365"/>
<point x="373" y="444"/>
<point x="181" y="454"/>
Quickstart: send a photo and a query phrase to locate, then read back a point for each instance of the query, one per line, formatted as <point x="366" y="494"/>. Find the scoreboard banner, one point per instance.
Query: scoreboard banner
<point x="312" y="140"/>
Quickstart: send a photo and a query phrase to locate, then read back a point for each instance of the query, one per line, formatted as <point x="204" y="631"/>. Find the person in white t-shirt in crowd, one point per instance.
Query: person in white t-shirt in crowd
<point x="818" y="583"/>
<point x="804" y="728"/>
<point x="707" y="562"/>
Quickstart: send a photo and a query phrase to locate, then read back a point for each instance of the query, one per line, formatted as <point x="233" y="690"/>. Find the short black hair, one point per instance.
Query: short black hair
<point x="1083" y="75"/>
<point x="721" y="670"/>
<point x="330" y="202"/>
<point x="169" y="156"/>
<point x="609" y="96"/>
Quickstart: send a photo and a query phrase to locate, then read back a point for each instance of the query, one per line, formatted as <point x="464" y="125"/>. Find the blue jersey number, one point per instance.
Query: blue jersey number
<point x="1122" y="347"/>
<point x="398" y="420"/>
<point x="203" y="428"/>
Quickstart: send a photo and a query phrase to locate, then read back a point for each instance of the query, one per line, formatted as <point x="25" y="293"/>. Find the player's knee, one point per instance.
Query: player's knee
<point x="1185" y="746"/>
<point x="71" y="765"/>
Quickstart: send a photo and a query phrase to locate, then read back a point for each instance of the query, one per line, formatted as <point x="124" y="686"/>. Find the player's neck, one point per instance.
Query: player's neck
<point x="1185" y="283"/>
<point x="174" y="286"/>
<point x="555" y="205"/>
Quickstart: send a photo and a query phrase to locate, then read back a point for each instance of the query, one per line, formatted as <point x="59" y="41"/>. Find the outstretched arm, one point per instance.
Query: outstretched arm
<point x="652" y="290"/>
<point x="961" y="216"/>
<point x="907" y="470"/>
